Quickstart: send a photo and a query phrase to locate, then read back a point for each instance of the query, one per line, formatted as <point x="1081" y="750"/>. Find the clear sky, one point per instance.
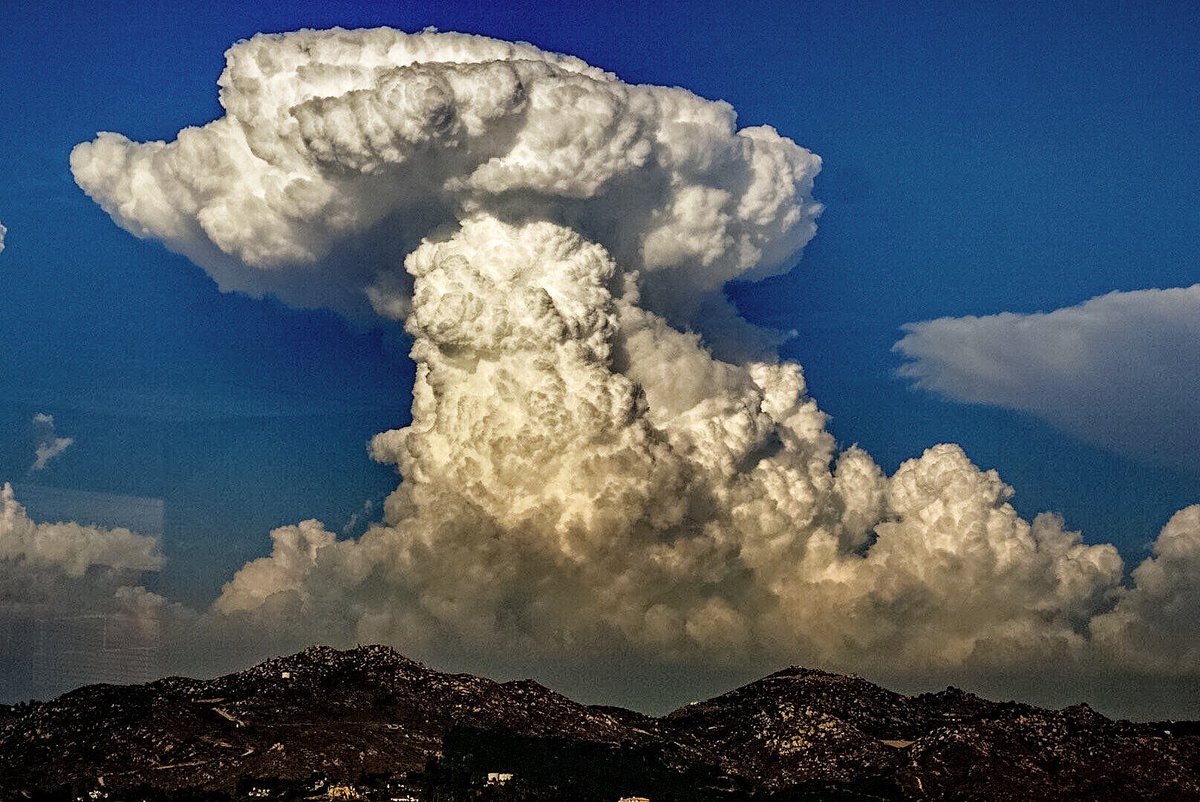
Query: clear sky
<point x="976" y="160"/>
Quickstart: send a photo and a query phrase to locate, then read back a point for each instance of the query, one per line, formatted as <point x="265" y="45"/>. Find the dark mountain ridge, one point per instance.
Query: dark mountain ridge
<point x="370" y="724"/>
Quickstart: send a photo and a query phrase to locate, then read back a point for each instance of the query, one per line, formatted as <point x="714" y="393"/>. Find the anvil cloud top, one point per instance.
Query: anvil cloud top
<point x="582" y="474"/>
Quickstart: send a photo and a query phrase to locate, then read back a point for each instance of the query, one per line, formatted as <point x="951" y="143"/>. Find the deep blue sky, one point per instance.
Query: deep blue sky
<point x="976" y="160"/>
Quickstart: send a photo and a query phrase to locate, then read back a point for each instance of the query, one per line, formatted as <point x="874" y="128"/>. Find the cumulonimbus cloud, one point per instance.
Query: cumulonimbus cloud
<point x="1122" y="370"/>
<point x="582" y="473"/>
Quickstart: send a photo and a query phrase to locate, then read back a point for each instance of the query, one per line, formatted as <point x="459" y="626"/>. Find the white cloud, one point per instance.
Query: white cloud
<point x="69" y="548"/>
<point x="1122" y="369"/>
<point x="341" y="150"/>
<point x="688" y="506"/>
<point x="1154" y="627"/>
<point x="3" y="232"/>
<point x="49" y="444"/>
<point x="582" y="476"/>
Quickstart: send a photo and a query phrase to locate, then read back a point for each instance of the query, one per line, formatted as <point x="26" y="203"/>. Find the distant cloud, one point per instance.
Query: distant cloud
<point x="71" y="549"/>
<point x="360" y="517"/>
<point x="3" y="231"/>
<point x="1121" y="370"/>
<point x="49" y="444"/>
<point x="63" y="583"/>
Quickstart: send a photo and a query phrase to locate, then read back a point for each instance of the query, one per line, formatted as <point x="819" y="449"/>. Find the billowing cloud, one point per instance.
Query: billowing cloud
<point x="70" y="598"/>
<point x="1122" y="369"/>
<point x="691" y="505"/>
<point x="49" y="444"/>
<point x="70" y="549"/>
<point x="1154" y="627"/>
<point x="341" y="150"/>
<point x="582" y="474"/>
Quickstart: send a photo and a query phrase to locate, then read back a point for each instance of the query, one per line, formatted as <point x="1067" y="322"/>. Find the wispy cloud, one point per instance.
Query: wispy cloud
<point x="49" y="444"/>
<point x="1121" y="370"/>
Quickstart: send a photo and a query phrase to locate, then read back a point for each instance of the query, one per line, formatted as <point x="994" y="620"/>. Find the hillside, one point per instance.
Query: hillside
<point x="369" y="719"/>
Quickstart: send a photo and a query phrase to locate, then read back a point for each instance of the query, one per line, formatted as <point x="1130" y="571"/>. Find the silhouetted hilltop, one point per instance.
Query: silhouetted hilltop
<point x="368" y="721"/>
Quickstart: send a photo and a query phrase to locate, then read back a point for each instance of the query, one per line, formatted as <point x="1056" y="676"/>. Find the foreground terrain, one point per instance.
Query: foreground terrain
<point x="371" y="724"/>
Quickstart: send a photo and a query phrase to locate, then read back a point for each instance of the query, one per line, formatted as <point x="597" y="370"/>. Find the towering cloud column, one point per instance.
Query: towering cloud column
<point x="582" y="472"/>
